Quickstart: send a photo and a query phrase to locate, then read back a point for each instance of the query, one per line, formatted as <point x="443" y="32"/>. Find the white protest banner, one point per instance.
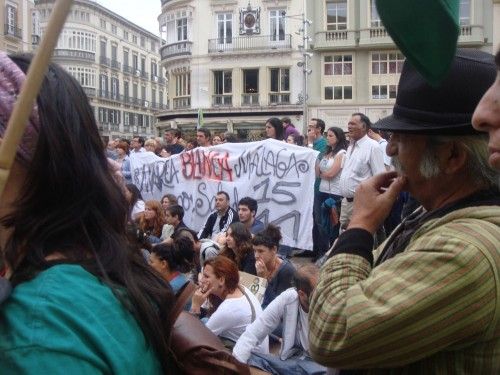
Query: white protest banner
<point x="278" y="175"/>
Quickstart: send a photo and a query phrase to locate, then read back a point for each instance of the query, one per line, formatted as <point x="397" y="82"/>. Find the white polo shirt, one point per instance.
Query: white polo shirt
<point x="361" y="161"/>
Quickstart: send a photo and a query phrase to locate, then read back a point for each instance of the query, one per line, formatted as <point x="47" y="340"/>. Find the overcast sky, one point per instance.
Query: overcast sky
<point x="141" y="12"/>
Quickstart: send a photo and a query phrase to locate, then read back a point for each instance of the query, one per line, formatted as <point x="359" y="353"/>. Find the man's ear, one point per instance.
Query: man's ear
<point x="455" y="157"/>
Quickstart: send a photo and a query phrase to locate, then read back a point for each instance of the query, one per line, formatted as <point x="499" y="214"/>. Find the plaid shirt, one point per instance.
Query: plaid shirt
<point x="433" y="309"/>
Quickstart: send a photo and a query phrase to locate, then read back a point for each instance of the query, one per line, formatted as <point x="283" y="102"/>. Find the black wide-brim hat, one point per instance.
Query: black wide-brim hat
<point x="445" y="109"/>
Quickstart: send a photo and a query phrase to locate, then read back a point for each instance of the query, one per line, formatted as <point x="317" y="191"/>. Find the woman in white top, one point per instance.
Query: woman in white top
<point x="136" y="203"/>
<point x="239" y="307"/>
<point x="329" y="169"/>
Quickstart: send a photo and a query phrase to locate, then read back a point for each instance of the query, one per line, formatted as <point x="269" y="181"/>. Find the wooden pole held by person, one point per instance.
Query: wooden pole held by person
<point x="29" y="91"/>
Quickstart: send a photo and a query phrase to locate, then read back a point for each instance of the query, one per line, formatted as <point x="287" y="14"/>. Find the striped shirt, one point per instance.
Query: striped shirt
<point x="432" y="309"/>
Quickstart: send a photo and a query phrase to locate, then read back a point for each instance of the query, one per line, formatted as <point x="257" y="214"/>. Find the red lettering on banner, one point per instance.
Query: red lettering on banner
<point x="212" y="165"/>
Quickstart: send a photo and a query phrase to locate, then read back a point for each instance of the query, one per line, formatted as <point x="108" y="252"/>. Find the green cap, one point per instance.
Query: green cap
<point x="426" y="31"/>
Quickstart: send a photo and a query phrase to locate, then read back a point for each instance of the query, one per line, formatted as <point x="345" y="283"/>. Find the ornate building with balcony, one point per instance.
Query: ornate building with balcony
<point x="356" y="66"/>
<point x="116" y="62"/>
<point x="16" y="28"/>
<point x="234" y="59"/>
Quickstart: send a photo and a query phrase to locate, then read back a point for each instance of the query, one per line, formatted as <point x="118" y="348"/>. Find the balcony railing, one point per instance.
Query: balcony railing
<point x="13" y="31"/>
<point x="375" y="35"/>
<point x="249" y="43"/>
<point x="159" y="106"/>
<point x="103" y="60"/>
<point x="132" y="101"/>
<point x="157" y="79"/>
<point x="279" y="99"/>
<point x="89" y="91"/>
<point x="115" y="64"/>
<point x="182" y="102"/>
<point x="250" y="99"/>
<point x="225" y="100"/>
<point x="471" y="35"/>
<point x="128" y="69"/>
<point x="335" y="38"/>
<point x="75" y="54"/>
<point x="144" y="74"/>
<point x="109" y="95"/>
<point x="169" y="51"/>
<point x="35" y="39"/>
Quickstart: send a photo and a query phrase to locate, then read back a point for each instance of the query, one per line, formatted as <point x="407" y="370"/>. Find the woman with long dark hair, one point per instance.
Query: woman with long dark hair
<point x="329" y="170"/>
<point x="82" y="299"/>
<point x="173" y="260"/>
<point x="274" y="128"/>
<point x="238" y="247"/>
<point x="135" y="200"/>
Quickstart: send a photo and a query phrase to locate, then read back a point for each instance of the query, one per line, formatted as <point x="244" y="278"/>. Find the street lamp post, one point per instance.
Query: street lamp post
<point x="304" y="64"/>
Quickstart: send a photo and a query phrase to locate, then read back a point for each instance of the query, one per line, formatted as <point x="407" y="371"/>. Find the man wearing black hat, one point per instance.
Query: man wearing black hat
<point x="427" y="300"/>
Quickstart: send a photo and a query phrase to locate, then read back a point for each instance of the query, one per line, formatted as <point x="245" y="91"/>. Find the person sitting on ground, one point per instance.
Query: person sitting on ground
<point x="292" y="308"/>
<point x="135" y="201"/>
<point x="270" y="265"/>
<point x="152" y="220"/>
<point x="239" y="249"/>
<point x="173" y="216"/>
<point x="247" y="209"/>
<point x="239" y="307"/>
<point x="78" y="285"/>
<point x="173" y="260"/>
<point x="204" y="249"/>
<point x="219" y="220"/>
<point x="166" y="201"/>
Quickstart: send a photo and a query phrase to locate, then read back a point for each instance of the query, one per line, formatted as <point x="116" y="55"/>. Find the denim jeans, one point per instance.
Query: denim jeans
<point x="296" y="365"/>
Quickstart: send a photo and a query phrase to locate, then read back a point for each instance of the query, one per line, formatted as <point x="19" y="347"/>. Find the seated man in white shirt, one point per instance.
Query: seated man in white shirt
<point x="291" y="307"/>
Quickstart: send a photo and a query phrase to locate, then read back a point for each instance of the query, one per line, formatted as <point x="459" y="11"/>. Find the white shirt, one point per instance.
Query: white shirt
<point x="233" y="316"/>
<point x="137" y="209"/>
<point x="133" y="151"/>
<point x="383" y="145"/>
<point x="330" y="186"/>
<point x="361" y="161"/>
<point x="303" y="330"/>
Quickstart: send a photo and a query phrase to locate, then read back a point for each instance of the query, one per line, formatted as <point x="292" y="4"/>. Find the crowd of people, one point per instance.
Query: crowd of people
<point x="94" y="269"/>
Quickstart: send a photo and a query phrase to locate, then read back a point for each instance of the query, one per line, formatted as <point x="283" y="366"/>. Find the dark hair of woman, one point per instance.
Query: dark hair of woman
<point x="242" y="238"/>
<point x="298" y="139"/>
<point x="70" y="206"/>
<point x="226" y="268"/>
<point x="179" y="255"/>
<point x="278" y="127"/>
<point x="136" y="194"/>
<point x="342" y="142"/>
<point x="269" y="237"/>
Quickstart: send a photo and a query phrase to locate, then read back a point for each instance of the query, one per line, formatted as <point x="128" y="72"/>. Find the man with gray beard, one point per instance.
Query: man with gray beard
<point x="427" y="300"/>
